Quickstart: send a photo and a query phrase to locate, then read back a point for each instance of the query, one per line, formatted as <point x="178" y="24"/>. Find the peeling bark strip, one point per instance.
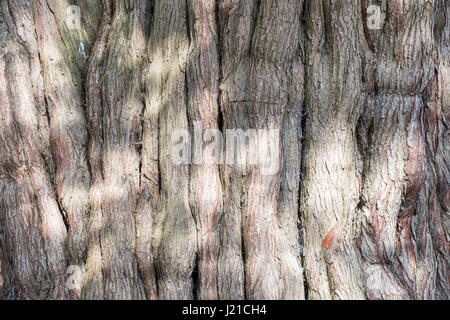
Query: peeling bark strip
<point x="92" y="205"/>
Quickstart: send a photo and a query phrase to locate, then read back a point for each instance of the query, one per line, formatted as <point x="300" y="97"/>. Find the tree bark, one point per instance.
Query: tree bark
<point x="128" y="167"/>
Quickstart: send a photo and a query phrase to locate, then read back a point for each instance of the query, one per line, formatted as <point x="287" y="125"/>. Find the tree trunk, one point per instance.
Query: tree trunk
<point x="224" y="149"/>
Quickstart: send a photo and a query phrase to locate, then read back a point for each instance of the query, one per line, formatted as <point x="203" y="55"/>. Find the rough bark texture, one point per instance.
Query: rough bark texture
<point x="93" y="205"/>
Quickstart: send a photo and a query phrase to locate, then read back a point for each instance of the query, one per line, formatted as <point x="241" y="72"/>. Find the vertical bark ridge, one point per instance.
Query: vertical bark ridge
<point x="40" y="104"/>
<point x="22" y="241"/>
<point x="62" y="54"/>
<point x="288" y="199"/>
<point x="93" y="279"/>
<point x="443" y="155"/>
<point x="330" y="187"/>
<point x="149" y="198"/>
<point x="122" y="106"/>
<point x="236" y="28"/>
<point x="275" y="43"/>
<point x="399" y="188"/>
<point x="174" y="240"/>
<point x="205" y="195"/>
<point x="436" y="119"/>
